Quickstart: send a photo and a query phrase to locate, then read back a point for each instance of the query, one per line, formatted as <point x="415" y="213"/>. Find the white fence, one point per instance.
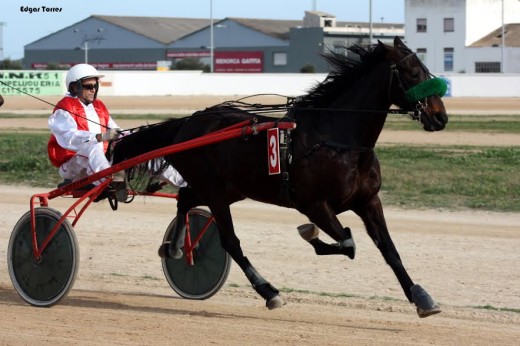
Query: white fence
<point x="197" y="83"/>
<point x="140" y="83"/>
<point x="483" y="85"/>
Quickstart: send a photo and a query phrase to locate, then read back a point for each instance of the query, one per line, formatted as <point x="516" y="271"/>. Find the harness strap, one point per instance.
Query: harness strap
<point x="337" y="145"/>
<point x="285" y="157"/>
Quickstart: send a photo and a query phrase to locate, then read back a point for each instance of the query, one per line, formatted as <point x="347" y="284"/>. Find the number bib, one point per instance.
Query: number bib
<point x="273" y="151"/>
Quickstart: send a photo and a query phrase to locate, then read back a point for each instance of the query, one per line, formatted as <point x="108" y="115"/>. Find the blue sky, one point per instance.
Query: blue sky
<point x="21" y="27"/>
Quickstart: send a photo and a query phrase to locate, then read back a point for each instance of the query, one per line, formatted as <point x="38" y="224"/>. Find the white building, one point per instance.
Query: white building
<point x="465" y="36"/>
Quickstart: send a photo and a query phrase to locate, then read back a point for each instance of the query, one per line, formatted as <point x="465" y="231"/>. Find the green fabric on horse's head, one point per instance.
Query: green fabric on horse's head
<point x="430" y="87"/>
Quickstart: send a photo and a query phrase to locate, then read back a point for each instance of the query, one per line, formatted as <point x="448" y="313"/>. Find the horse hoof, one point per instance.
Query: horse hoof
<point x="175" y="253"/>
<point x="425" y="304"/>
<point x="309" y="231"/>
<point x="275" y="302"/>
<point x="425" y="313"/>
<point x="349" y="248"/>
<point x="163" y="250"/>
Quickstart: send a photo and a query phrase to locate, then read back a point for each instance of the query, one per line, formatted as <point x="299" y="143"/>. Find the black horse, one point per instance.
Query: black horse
<point x="1" y="100"/>
<point x="329" y="166"/>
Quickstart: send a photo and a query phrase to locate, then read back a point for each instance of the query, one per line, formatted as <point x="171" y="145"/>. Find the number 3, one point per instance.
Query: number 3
<point x="273" y="157"/>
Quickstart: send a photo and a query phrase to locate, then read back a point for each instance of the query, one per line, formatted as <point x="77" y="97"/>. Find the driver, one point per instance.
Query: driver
<point x="81" y="128"/>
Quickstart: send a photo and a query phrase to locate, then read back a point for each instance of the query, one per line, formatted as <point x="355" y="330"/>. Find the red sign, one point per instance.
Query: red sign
<point x="273" y="151"/>
<point x="187" y="54"/>
<point x="106" y="65"/>
<point x="239" y="62"/>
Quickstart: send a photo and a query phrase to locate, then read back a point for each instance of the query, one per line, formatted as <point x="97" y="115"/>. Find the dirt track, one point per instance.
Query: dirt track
<point x="463" y="259"/>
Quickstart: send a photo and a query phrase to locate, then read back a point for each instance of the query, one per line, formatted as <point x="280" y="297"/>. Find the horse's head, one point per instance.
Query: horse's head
<point x="413" y="88"/>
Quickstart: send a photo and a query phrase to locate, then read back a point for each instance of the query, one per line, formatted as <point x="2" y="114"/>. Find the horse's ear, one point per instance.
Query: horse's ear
<point x="381" y="44"/>
<point x="398" y="42"/>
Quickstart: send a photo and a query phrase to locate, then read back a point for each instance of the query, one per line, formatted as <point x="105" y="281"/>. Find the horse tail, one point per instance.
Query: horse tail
<point x="142" y="140"/>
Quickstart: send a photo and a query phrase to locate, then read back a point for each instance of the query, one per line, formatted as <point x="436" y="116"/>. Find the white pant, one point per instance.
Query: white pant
<point x="169" y="175"/>
<point x="90" y="159"/>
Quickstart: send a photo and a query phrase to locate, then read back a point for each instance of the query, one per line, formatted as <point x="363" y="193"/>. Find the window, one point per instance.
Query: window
<point x="279" y="59"/>
<point x="448" y="59"/>
<point x="449" y="25"/>
<point x="487" y="67"/>
<point x="421" y="54"/>
<point x="421" y="24"/>
<point x="339" y="47"/>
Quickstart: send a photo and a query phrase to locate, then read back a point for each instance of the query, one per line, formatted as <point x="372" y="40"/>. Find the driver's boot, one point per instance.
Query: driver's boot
<point x="119" y="186"/>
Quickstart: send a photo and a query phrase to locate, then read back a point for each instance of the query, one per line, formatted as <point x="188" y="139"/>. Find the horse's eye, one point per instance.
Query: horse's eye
<point x="415" y="74"/>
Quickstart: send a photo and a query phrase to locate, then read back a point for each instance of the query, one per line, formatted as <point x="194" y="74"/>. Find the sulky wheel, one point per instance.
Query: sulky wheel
<point x="211" y="262"/>
<point x="45" y="281"/>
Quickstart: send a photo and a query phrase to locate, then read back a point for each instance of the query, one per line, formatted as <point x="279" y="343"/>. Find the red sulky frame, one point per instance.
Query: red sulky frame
<point x="243" y="128"/>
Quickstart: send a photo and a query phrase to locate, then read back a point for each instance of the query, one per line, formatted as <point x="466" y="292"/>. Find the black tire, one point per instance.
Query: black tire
<point x="45" y="282"/>
<point x="211" y="262"/>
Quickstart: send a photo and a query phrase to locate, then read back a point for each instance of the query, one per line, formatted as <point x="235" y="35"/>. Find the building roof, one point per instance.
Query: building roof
<point x="161" y="29"/>
<point x="494" y="38"/>
<point x="273" y="27"/>
<point x="167" y="30"/>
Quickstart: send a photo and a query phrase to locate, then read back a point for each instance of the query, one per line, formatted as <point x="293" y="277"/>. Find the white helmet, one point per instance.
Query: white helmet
<point x="79" y="72"/>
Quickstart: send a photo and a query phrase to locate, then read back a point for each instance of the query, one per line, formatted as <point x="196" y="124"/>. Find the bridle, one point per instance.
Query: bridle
<point x="420" y="105"/>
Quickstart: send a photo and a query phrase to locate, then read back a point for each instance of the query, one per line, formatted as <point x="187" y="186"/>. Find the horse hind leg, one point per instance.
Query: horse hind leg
<point x="310" y="233"/>
<point x="186" y="200"/>
<point x="231" y="244"/>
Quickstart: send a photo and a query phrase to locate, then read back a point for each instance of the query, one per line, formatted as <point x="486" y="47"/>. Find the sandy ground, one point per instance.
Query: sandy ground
<point x="463" y="259"/>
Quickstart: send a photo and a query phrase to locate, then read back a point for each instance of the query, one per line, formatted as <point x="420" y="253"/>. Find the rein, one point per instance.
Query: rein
<point x="290" y="105"/>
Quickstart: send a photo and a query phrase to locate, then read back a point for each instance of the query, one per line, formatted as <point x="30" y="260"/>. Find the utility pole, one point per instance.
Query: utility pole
<point x="211" y="43"/>
<point x="2" y="40"/>
<point x="502" y="67"/>
<point x="370" y="22"/>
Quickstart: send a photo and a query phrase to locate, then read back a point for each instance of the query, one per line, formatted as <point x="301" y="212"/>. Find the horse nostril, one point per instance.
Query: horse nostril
<point x="440" y="120"/>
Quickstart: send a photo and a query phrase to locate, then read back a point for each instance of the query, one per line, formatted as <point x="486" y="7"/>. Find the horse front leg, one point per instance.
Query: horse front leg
<point x="374" y="220"/>
<point x="323" y="216"/>
<point x="231" y="244"/>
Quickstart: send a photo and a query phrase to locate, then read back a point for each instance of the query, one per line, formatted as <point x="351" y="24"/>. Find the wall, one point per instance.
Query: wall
<point x="473" y="19"/>
<point x="198" y="83"/>
<point x="288" y="84"/>
<point x="511" y="57"/>
<point x="484" y="85"/>
<point x="434" y="40"/>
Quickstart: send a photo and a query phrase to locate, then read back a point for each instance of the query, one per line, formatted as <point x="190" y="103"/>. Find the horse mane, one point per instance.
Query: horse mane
<point x="347" y="68"/>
